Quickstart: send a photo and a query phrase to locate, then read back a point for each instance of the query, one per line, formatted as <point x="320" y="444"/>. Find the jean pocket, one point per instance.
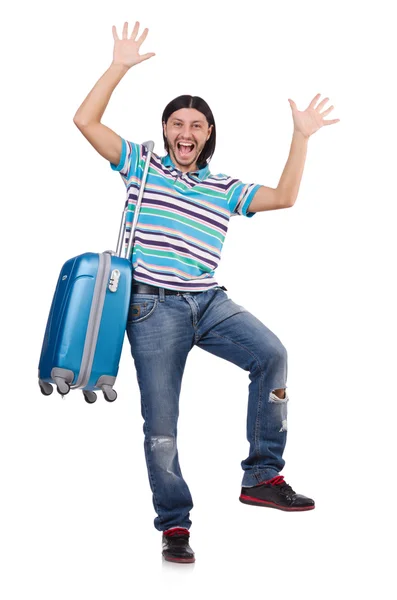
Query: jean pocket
<point x="140" y="310"/>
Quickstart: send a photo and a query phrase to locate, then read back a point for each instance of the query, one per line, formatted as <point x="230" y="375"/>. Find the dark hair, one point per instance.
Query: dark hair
<point x="199" y="104"/>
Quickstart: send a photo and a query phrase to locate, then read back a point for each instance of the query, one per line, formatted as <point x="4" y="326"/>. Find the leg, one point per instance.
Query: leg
<point x="245" y="341"/>
<point x="160" y="337"/>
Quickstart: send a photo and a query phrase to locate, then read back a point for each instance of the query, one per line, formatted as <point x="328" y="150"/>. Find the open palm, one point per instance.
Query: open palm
<point x="126" y="50"/>
<point x="310" y="120"/>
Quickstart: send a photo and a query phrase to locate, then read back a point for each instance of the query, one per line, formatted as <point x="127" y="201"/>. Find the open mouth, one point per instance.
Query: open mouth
<point x="185" y="149"/>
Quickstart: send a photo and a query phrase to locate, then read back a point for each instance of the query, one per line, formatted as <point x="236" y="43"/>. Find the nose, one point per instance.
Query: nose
<point x="186" y="132"/>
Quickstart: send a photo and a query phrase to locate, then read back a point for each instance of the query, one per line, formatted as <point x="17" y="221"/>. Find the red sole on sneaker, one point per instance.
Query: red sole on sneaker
<point x="249" y="500"/>
<point x="179" y="560"/>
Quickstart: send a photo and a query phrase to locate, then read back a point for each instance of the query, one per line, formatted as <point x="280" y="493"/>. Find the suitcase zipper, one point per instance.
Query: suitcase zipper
<point x="94" y="320"/>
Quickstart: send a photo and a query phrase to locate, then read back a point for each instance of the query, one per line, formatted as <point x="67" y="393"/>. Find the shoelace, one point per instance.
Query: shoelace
<point x="283" y="485"/>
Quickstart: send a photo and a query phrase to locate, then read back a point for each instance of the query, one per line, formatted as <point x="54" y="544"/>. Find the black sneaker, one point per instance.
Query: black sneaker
<point x="275" y="493"/>
<point x="176" y="545"/>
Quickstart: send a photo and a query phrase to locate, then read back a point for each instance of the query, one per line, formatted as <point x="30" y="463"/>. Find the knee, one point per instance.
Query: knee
<point x="273" y="364"/>
<point x="162" y="443"/>
<point x="162" y="452"/>
<point x="278" y="355"/>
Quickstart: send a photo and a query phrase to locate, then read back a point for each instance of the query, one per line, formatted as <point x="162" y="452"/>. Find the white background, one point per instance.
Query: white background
<point x="76" y="508"/>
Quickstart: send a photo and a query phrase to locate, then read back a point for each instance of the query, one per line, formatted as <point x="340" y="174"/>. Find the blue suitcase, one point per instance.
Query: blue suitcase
<point x="88" y="316"/>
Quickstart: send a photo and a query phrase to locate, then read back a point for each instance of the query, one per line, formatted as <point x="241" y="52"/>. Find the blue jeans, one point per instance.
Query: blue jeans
<point x="162" y="329"/>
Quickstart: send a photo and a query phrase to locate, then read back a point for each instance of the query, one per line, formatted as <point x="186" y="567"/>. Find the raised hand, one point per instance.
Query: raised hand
<point x="126" y="50"/>
<point x="310" y="120"/>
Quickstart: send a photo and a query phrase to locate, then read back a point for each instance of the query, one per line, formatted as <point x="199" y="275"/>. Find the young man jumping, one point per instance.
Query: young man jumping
<point x="176" y="302"/>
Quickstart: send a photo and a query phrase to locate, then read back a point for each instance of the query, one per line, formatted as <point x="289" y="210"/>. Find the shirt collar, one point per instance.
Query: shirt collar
<point x="199" y="173"/>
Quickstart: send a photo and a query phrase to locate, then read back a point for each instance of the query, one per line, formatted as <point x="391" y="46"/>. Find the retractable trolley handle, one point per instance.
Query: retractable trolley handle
<point x="149" y="146"/>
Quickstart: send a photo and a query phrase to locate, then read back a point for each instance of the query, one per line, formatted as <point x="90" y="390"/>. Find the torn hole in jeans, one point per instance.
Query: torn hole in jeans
<point x="283" y="408"/>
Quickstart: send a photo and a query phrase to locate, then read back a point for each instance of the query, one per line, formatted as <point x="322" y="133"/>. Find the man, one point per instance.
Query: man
<point x="176" y="302"/>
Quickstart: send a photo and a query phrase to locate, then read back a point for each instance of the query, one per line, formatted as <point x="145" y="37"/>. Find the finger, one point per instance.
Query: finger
<point x="148" y="55"/>
<point x="125" y="30"/>
<point x="319" y="106"/>
<point x="331" y="122"/>
<point x="115" y="36"/>
<point x="135" y="31"/>
<point x="143" y="37"/>
<point x="312" y="103"/>
<point x="326" y="112"/>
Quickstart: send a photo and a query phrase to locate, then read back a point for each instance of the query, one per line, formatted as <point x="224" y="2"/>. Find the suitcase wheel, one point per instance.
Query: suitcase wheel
<point x="63" y="388"/>
<point x="46" y="388"/>
<point x="89" y="397"/>
<point x="109" y="393"/>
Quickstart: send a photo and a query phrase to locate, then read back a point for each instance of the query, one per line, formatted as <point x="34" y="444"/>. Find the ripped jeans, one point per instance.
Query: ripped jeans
<point x="162" y="329"/>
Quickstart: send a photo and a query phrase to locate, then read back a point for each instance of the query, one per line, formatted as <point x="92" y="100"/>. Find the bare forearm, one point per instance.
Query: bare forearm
<point x="97" y="100"/>
<point x="291" y="177"/>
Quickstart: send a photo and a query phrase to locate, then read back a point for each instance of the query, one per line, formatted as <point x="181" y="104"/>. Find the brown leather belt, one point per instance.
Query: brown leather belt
<point x="144" y="288"/>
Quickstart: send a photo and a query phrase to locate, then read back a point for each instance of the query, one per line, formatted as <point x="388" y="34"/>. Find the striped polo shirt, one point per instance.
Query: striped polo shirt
<point x="183" y="219"/>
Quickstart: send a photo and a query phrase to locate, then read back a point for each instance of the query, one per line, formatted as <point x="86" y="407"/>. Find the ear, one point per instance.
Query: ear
<point x="210" y="131"/>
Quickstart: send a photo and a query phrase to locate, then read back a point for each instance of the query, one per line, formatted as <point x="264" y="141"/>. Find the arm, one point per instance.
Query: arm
<point x="285" y="194"/>
<point x="305" y="124"/>
<point x="88" y="116"/>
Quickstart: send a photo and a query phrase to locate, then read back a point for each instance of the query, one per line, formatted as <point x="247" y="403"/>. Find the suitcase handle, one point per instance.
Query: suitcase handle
<point x="149" y="146"/>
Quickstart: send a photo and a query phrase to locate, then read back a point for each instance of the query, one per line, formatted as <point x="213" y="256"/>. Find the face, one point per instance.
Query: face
<point x="187" y="132"/>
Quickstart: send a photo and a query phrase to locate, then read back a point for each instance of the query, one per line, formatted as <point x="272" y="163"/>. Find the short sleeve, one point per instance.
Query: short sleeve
<point x="129" y="160"/>
<point x="239" y="197"/>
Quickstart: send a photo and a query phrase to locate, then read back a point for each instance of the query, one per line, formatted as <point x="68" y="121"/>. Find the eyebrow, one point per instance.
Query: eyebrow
<point x="195" y="121"/>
